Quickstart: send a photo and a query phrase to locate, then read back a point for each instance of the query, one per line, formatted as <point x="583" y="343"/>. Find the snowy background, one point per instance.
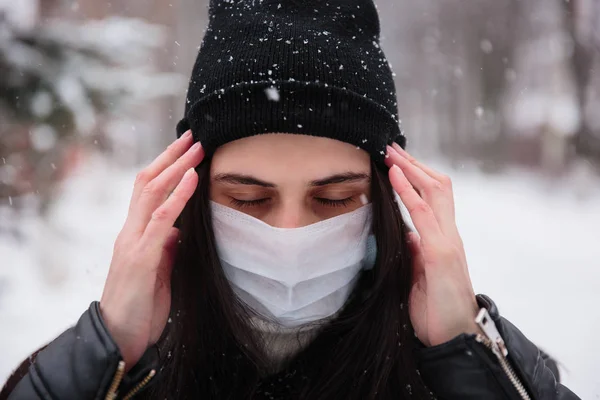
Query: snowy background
<point x="502" y="95"/>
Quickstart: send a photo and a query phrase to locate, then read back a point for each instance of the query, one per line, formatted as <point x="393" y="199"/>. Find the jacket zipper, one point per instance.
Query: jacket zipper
<point x="112" y="390"/>
<point x="140" y="385"/>
<point x="494" y="342"/>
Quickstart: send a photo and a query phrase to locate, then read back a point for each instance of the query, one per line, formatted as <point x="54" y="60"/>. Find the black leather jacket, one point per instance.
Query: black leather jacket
<point x="84" y="363"/>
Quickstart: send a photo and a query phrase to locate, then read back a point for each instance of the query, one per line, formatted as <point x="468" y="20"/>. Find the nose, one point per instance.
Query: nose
<point x="291" y="216"/>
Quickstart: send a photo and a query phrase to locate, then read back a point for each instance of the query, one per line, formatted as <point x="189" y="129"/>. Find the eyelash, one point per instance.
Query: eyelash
<point x="323" y="201"/>
<point x="248" y="203"/>
<point x="335" y="203"/>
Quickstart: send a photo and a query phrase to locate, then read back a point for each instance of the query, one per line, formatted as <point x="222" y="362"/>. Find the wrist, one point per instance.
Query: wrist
<point x="463" y="324"/>
<point x="469" y="326"/>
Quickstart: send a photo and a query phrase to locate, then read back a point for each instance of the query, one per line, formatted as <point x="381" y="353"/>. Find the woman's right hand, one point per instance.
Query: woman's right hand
<point x="136" y="300"/>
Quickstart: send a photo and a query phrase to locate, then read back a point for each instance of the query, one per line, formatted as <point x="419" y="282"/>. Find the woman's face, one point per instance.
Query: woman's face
<point x="289" y="181"/>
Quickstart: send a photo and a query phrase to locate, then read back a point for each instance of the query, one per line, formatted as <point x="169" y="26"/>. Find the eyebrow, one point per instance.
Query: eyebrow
<point x="346" y="177"/>
<point x="242" y="179"/>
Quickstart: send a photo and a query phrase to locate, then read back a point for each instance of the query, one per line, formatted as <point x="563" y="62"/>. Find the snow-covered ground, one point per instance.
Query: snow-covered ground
<point x="533" y="247"/>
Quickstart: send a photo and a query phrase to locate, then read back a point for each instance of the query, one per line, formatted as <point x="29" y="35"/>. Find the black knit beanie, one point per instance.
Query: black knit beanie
<point x="311" y="67"/>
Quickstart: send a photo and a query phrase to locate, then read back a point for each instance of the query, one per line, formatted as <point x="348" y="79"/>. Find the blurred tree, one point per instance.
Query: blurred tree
<point x="582" y="19"/>
<point x="494" y="81"/>
<point x="60" y="81"/>
<point x="541" y="107"/>
<point x="154" y="121"/>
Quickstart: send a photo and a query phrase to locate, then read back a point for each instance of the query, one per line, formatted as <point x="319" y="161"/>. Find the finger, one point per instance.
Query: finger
<point x="159" y="228"/>
<point x="428" y="170"/>
<point x="160" y="163"/>
<point x="420" y="212"/>
<point x="416" y="176"/>
<point x="436" y="194"/>
<point x="158" y="190"/>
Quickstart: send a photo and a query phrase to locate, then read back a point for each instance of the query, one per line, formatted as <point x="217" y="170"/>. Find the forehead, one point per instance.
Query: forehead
<point x="279" y="156"/>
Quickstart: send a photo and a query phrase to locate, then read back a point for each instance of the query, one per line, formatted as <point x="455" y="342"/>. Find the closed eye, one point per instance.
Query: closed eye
<point x="248" y="203"/>
<point x="336" y="203"/>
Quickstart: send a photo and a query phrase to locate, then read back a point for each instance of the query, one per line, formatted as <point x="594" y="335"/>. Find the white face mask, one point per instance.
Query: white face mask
<point x="294" y="276"/>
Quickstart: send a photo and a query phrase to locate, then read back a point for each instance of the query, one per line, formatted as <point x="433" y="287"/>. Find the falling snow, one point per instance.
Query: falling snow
<point x="486" y="46"/>
<point x="272" y="93"/>
<point x="523" y="211"/>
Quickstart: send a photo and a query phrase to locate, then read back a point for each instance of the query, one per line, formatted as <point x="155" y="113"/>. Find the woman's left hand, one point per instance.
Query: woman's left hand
<point x="442" y="302"/>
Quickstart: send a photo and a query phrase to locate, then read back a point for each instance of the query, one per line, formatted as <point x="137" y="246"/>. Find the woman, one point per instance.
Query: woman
<point x="290" y="273"/>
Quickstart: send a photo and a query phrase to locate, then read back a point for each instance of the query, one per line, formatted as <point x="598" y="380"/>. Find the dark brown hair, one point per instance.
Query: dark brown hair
<point x="209" y="352"/>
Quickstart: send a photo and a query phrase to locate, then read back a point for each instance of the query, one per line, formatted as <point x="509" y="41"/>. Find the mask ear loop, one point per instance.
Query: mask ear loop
<point x="371" y="254"/>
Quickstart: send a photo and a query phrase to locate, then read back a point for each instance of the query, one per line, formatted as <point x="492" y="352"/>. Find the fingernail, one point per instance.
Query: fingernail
<point x="397" y="170"/>
<point x="399" y="149"/>
<point x="187" y="134"/>
<point x="189" y="173"/>
<point x="390" y="149"/>
<point x="196" y="146"/>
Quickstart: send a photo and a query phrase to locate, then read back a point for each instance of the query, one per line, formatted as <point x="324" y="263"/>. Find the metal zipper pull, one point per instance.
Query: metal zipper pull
<point x="487" y="325"/>
<point x="112" y="390"/>
<point x="493" y="341"/>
